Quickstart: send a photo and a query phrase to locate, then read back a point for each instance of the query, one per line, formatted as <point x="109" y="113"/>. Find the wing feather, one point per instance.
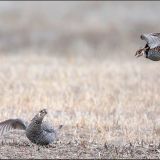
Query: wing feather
<point x="152" y="39"/>
<point x="11" y="124"/>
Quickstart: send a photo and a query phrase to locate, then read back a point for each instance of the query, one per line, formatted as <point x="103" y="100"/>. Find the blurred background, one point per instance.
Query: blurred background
<point x="90" y="29"/>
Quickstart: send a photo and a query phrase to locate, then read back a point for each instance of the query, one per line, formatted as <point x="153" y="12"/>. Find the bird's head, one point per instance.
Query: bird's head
<point x="39" y="116"/>
<point x="42" y="113"/>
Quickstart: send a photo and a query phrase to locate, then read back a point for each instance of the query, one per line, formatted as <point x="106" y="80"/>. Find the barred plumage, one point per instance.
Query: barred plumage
<point x="152" y="48"/>
<point x="38" y="132"/>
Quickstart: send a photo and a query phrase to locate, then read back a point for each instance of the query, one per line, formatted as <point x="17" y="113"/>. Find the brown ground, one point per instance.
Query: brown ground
<point x="16" y="146"/>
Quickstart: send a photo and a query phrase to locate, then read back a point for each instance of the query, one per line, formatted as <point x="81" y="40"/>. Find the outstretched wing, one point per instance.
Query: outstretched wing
<point x="152" y="39"/>
<point x="11" y="124"/>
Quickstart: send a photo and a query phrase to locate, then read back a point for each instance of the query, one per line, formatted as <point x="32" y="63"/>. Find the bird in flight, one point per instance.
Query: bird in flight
<point x="37" y="131"/>
<point x="152" y="47"/>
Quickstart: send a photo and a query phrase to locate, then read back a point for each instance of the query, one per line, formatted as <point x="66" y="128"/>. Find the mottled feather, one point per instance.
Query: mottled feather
<point x="11" y="124"/>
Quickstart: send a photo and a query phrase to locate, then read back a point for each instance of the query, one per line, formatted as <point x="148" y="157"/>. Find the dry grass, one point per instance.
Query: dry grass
<point x="97" y="101"/>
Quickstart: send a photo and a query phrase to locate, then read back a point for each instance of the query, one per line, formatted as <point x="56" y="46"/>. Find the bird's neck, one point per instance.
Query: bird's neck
<point x="35" y="124"/>
<point x="37" y="120"/>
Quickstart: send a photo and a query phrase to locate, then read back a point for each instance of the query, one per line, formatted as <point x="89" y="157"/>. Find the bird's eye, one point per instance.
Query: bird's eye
<point x="43" y="112"/>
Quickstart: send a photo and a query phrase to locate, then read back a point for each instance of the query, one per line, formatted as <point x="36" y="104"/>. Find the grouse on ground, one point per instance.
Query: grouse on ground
<point x="38" y="132"/>
<point x="152" y="48"/>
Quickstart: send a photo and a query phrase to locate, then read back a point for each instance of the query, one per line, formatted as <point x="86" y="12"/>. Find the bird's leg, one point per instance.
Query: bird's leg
<point x="28" y="144"/>
<point x="38" y="148"/>
<point x="50" y="146"/>
<point x="140" y="52"/>
<point x="145" y="48"/>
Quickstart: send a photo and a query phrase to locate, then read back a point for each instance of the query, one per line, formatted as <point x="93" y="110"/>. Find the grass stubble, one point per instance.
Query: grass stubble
<point x="109" y="108"/>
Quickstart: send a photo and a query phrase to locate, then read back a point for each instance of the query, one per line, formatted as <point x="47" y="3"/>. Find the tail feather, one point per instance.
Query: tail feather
<point x="60" y="127"/>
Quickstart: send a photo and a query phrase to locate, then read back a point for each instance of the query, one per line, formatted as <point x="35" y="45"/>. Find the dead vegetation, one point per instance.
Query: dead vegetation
<point x="109" y="109"/>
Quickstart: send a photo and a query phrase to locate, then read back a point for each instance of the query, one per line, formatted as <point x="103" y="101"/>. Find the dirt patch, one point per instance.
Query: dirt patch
<point x="16" y="145"/>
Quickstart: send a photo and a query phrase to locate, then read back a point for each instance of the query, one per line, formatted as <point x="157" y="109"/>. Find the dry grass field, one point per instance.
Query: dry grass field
<point x="76" y="59"/>
<point x="99" y="102"/>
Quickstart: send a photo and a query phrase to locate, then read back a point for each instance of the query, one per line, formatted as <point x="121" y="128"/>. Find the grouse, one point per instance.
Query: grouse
<point x="152" y="47"/>
<point x="38" y="132"/>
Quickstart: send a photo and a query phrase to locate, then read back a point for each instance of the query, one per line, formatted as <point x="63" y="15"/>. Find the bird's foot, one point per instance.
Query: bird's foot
<point x="38" y="148"/>
<point x="50" y="146"/>
<point x="28" y="144"/>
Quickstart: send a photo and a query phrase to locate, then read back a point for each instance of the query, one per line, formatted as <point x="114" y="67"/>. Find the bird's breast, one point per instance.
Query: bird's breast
<point x="154" y="55"/>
